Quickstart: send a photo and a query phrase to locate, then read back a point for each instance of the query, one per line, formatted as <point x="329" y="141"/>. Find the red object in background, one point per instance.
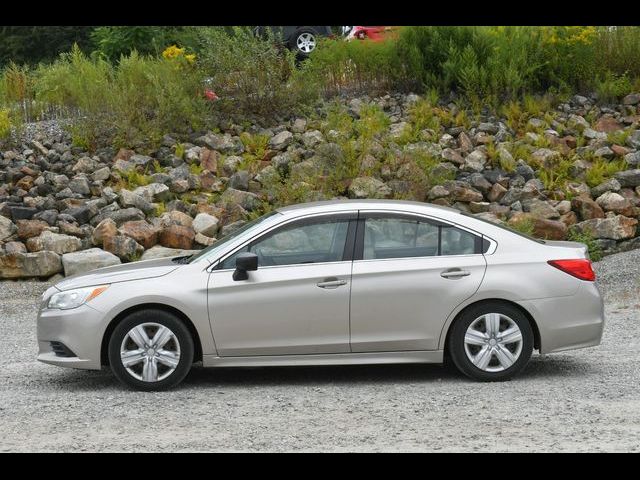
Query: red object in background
<point x="211" y="95"/>
<point x="375" y="34"/>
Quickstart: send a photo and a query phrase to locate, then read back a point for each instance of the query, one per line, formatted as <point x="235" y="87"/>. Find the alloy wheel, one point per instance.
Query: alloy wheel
<point x="493" y="342"/>
<point x="150" y="352"/>
<point x="306" y="42"/>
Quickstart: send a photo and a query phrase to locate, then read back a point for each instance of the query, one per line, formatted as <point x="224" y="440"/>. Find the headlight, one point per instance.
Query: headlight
<point x="75" y="298"/>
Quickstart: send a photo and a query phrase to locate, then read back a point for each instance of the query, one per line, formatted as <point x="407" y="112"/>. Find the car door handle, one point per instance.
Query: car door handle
<point x="331" y="283"/>
<point x="454" y="273"/>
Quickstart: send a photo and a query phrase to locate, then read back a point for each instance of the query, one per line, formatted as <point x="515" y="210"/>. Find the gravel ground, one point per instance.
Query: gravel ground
<point x="585" y="400"/>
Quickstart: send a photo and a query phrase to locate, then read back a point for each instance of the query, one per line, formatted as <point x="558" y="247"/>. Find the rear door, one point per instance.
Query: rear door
<point x="409" y="273"/>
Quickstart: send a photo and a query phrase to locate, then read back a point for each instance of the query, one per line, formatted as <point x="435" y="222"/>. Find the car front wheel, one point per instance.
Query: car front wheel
<point x="151" y="350"/>
<point x="491" y="342"/>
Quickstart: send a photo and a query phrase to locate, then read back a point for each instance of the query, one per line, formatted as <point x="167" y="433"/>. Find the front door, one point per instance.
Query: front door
<point x="297" y="302"/>
<point x="408" y="276"/>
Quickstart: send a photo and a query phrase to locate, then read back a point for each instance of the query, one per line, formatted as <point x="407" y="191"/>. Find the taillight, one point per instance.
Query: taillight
<point x="579" y="268"/>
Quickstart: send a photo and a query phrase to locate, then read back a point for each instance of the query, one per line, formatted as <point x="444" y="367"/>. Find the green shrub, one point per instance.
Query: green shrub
<point x="612" y="87"/>
<point x="252" y="75"/>
<point x="5" y="124"/>
<point x="595" y="252"/>
<point x="131" y="104"/>
<point x="602" y="170"/>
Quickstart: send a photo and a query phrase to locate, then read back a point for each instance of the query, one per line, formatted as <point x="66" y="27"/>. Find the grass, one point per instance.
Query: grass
<point x="602" y="170"/>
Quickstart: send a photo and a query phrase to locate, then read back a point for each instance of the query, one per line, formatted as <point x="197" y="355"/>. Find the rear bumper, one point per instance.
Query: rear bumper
<point x="80" y="330"/>
<point x="570" y="322"/>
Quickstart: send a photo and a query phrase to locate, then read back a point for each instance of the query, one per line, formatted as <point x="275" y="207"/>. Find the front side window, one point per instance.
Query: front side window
<point x="306" y="242"/>
<point x="403" y="237"/>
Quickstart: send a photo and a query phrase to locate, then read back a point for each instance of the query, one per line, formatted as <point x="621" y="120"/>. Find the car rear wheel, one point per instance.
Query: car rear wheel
<point x="303" y="42"/>
<point x="491" y="342"/>
<point x="151" y="350"/>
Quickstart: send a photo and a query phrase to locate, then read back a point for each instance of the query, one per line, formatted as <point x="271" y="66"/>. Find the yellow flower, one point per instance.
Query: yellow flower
<point x="172" y="52"/>
<point x="190" y="57"/>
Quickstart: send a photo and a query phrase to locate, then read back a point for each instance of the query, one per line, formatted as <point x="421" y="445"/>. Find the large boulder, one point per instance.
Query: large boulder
<point x="614" y="202"/>
<point x="586" y="208"/>
<point x="87" y="260"/>
<point x="30" y="228"/>
<point x="154" y="192"/>
<point x="281" y="141"/>
<point x="141" y="231"/>
<point x="175" y="217"/>
<point x="205" y="224"/>
<point x="25" y="265"/>
<point x="368" y="187"/>
<point x="247" y="200"/>
<point x="130" y="199"/>
<point x="617" y="227"/>
<point x="629" y="178"/>
<point x="55" y="242"/>
<point x="177" y="236"/>
<point x="106" y="228"/>
<point x="7" y="228"/>
<point x="124" y="247"/>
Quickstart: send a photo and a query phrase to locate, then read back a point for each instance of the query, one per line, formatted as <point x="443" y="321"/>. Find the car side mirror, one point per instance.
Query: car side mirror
<point x="245" y="262"/>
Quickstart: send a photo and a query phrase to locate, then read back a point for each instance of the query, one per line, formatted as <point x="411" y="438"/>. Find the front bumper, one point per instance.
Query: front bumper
<point x="80" y="330"/>
<point x="567" y="323"/>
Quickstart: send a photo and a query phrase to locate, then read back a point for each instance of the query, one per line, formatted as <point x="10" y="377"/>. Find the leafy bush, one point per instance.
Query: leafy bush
<point x="132" y="104"/>
<point x="595" y="251"/>
<point x="252" y="75"/>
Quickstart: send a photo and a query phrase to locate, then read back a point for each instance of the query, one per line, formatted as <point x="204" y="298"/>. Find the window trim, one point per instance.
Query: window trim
<point x="482" y="246"/>
<point x="347" y="255"/>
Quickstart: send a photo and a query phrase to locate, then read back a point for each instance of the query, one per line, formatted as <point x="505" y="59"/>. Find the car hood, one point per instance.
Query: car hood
<point x="120" y="273"/>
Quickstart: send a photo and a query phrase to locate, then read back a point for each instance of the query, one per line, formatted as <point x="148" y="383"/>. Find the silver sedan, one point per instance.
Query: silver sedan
<point x="328" y="283"/>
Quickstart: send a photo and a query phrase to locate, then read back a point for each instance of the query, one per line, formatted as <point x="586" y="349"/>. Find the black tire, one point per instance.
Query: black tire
<point x="293" y="41"/>
<point x="456" y="344"/>
<point x="160" y="317"/>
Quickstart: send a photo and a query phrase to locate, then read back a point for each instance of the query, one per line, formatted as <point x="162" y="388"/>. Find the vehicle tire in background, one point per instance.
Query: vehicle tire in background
<point x="151" y="350"/>
<point x="303" y="41"/>
<point x="491" y="341"/>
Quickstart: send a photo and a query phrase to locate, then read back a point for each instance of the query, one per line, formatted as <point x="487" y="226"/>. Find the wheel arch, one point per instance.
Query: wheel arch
<point x="104" y="348"/>
<point x="525" y="312"/>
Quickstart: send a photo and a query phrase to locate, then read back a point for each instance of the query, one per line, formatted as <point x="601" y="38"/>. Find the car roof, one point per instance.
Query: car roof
<point x="368" y="204"/>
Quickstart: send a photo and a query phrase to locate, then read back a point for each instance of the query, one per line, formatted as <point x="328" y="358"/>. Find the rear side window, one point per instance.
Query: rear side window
<point x="402" y="237"/>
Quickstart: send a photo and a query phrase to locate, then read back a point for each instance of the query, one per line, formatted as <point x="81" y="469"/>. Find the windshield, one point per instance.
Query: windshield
<point x="210" y="253"/>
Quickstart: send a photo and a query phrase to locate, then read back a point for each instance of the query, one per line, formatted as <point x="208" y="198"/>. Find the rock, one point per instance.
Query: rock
<point x="230" y="165"/>
<point x="586" y="208"/>
<point x="368" y="187"/>
<point x="141" y="231"/>
<point x="130" y="199"/>
<point x="633" y="159"/>
<point x="540" y="209"/>
<point x="549" y="229"/>
<point x="593" y="134"/>
<point x="475" y="161"/>
<point x="312" y="138"/>
<point x="608" y="185"/>
<point x="462" y="192"/>
<point x="631" y="99"/>
<point x="7" y="228"/>
<point x="175" y="217"/>
<point x="203" y="240"/>
<point x="247" y="200"/>
<point x="614" y="202"/>
<point x="281" y="141"/>
<point x="80" y="185"/>
<point x="164" y="252"/>
<point x="205" y="224"/>
<point x="545" y="155"/>
<point x="617" y="227"/>
<point x="437" y="191"/>
<point x="154" y="192"/>
<point x="496" y="193"/>
<point x="479" y="207"/>
<point x="450" y="155"/>
<point x="55" y="242"/>
<point x="299" y="125"/>
<point x="177" y="236"/>
<point x="126" y="214"/>
<point x="101" y="174"/>
<point x="239" y="180"/>
<point x="71" y="229"/>
<point x="628" y="178"/>
<point x="106" y="228"/>
<point x="604" y="152"/>
<point x="22" y="213"/>
<point x="578" y="123"/>
<point x="25" y="265"/>
<point x="14" y="247"/>
<point x="209" y="159"/>
<point x="222" y="143"/>
<point x="127" y="249"/>
<point x="607" y="124"/>
<point x="87" y="260"/>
